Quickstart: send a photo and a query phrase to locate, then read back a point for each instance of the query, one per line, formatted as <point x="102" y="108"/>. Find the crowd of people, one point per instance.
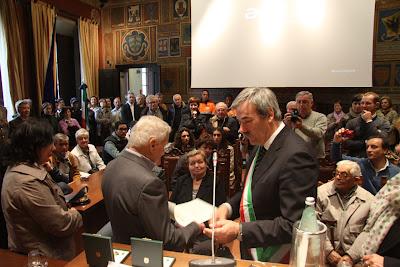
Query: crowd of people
<point x="282" y="153"/>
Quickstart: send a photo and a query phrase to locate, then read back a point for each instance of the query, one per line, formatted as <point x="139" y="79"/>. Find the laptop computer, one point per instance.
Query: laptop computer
<point x="149" y="253"/>
<point x="99" y="251"/>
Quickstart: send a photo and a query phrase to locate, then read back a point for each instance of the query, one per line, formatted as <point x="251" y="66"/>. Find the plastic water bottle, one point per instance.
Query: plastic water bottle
<point x="308" y="222"/>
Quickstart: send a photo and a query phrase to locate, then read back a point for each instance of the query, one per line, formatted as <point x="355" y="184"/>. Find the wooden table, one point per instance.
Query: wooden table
<point x="11" y="259"/>
<point x="182" y="259"/>
<point x="94" y="214"/>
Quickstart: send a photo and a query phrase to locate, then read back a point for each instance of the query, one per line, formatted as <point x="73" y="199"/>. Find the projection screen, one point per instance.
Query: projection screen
<point x="282" y="43"/>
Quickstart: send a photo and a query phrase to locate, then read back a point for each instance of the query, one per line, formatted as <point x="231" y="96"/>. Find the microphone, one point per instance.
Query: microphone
<point x="223" y="262"/>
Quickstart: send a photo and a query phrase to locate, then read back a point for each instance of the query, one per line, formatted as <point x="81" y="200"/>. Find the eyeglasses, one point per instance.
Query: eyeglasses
<point x="342" y="175"/>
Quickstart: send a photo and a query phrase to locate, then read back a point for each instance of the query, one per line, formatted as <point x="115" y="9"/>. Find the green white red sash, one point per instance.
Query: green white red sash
<point x="277" y="253"/>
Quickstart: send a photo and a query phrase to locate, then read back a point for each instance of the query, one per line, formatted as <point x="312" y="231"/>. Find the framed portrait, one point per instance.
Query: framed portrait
<point x="163" y="47"/>
<point x="117" y="17"/>
<point x="174" y="47"/>
<point x="134" y="15"/>
<point x="186" y="33"/>
<point x="151" y="13"/>
<point x="180" y="9"/>
<point x="381" y="76"/>
<point x="387" y="31"/>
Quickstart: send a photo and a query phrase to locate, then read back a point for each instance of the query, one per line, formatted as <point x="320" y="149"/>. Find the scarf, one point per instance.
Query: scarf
<point x="384" y="212"/>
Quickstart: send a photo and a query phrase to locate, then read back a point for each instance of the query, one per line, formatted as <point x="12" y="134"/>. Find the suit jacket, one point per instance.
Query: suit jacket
<point x="126" y="113"/>
<point x="184" y="186"/>
<point x="137" y="203"/>
<point x="286" y="175"/>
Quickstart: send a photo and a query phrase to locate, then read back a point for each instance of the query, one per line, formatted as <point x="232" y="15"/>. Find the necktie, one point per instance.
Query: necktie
<point x="261" y="155"/>
<point x="133" y="112"/>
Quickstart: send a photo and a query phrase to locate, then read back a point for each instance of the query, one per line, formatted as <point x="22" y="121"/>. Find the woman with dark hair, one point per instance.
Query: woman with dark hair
<point x="193" y="120"/>
<point x="184" y="142"/>
<point x="35" y="211"/>
<point x="224" y="150"/>
<point x="68" y="125"/>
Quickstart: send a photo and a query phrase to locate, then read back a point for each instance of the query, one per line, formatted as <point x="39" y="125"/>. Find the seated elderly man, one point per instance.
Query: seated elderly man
<point x="345" y="205"/>
<point x="135" y="198"/>
<point x="63" y="165"/>
<point x="375" y="169"/>
<point x="153" y="108"/>
<point x="89" y="161"/>
<point x="222" y="120"/>
<point x="116" y="142"/>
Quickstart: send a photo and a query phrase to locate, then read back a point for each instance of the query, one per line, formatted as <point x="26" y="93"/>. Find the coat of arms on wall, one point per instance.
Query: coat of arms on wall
<point x="135" y="45"/>
<point x="181" y="9"/>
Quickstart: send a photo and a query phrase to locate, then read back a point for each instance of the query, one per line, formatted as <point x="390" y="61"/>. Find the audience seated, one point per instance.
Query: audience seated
<point x="197" y="182"/>
<point x="89" y="161"/>
<point x="184" y="142"/>
<point x="194" y="121"/>
<point x="206" y="106"/>
<point x="375" y="169"/>
<point x="335" y="120"/>
<point x="47" y="114"/>
<point x="62" y="165"/>
<point x="153" y="108"/>
<point x="205" y="144"/>
<point x="221" y="120"/>
<point x="135" y="198"/>
<point x="309" y="125"/>
<point x="379" y="243"/>
<point x="23" y="108"/>
<point x="388" y="113"/>
<point x="223" y="148"/>
<point x="59" y="105"/>
<point x="68" y="125"/>
<point x="116" y="142"/>
<point x="35" y="211"/>
<point x="228" y="101"/>
<point x="344" y="206"/>
<point x="366" y="125"/>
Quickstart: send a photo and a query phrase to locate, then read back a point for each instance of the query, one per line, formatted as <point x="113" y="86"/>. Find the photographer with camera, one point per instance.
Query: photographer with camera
<point x="375" y="169"/>
<point x="308" y="124"/>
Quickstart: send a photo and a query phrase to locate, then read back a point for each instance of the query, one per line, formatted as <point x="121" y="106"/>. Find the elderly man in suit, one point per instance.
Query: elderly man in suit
<point x="136" y="199"/>
<point x="282" y="172"/>
<point x="345" y="206"/>
<point x="130" y="112"/>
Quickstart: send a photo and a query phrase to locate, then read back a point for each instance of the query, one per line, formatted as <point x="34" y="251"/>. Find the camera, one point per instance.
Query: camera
<point x="347" y="133"/>
<point x="294" y="115"/>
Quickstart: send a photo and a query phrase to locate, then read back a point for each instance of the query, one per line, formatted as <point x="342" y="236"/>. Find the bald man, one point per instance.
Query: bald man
<point x="222" y="120"/>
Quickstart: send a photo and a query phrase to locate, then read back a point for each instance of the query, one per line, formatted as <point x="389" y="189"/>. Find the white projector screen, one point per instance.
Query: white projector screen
<point x="282" y="43"/>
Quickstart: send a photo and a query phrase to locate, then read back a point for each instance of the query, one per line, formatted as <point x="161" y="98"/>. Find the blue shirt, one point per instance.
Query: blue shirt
<point x="371" y="179"/>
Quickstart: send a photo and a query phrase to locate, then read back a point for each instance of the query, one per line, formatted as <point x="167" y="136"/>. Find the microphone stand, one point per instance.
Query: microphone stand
<point x="223" y="262"/>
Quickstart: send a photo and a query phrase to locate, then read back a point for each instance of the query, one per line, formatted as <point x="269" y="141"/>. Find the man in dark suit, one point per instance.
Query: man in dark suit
<point x="130" y="110"/>
<point x="282" y="172"/>
<point x="136" y="199"/>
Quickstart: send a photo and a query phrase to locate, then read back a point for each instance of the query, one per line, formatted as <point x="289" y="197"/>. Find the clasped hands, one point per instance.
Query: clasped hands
<point x="225" y="230"/>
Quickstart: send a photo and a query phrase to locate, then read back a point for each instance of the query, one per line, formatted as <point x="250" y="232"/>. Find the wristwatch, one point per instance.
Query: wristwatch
<point x="240" y="234"/>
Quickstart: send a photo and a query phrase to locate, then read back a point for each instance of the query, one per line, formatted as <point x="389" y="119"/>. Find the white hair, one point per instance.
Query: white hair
<point x="262" y="98"/>
<point x="80" y="132"/>
<point x="60" y="137"/>
<point x="306" y="93"/>
<point x="221" y="104"/>
<point x="354" y="167"/>
<point x="148" y="127"/>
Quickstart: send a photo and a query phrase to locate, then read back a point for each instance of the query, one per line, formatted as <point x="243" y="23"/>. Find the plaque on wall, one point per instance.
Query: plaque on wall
<point x="135" y="45"/>
<point x="117" y="17"/>
<point x="174" y="47"/>
<point x="151" y="13"/>
<point x="134" y="15"/>
<point x="186" y="33"/>
<point x="180" y="9"/>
